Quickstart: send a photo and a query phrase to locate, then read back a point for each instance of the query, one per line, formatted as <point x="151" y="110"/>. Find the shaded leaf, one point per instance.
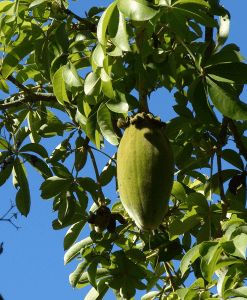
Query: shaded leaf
<point x="15" y="56"/>
<point x="53" y="186"/>
<point x="72" y="234"/>
<point x="227" y="103"/>
<point x="23" y="195"/>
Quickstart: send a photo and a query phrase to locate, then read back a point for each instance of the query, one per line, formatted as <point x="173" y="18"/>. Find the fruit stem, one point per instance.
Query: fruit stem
<point x="140" y="39"/>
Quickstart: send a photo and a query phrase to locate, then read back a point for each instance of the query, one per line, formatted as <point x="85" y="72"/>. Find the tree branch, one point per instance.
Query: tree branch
<point x="237" y="139"/>
<point x="101" y="198"/>
<point x="33" y="97"/>
<point x="221" y="141"/>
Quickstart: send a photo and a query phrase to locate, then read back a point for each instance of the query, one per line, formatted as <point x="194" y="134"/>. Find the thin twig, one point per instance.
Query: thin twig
<point x="170" y="277"/>
<point x="9" y="219"/>
<point x="18" y="84"/>
<point x="101" y="198"/>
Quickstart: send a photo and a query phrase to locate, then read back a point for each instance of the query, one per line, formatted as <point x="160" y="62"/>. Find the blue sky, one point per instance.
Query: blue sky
<point x="32" y="260"/>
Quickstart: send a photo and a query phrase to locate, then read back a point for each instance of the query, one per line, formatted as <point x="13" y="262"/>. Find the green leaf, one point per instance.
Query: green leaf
<point x="210" y="252"/>
<point x="6" y="169"/>
<point x="201" y="2"/>
<point x="227" y="103"/>
<point x="137" y="10"/>
<point x="62" y="38"/>
<point x="103" y="23"/>
<point x="73" y="233"/>
<point x="240" y="243"/>
<point x="179" y="226"/>
<point x="70" y="75"/>
<point x="36" y="148"/>
<point x="92" y="271"/>
<point x="240" y="292"/>
<point x="92" y="84"/>
<point x="117" y="30"/>
<point x="80" y="154"/>
<point x="233" y="72"/>
<point x="105" y="124"/>
<point x="53" y="186"/>
<point x="23" y="195"/>
<point x="59" y="86"/>
<point x="15" y="56"/>
<point x="193" y="11"/>
<point x="213" y="182"/>
<point x="75" y="250"/>
<point x="233" y="158"/>
<point x="102" y="288"/>
<point x="107" y="174"/>
<point x="178" y="191"/>
<point x="98" y="55"/>
<point x="221" y="57"/>
<point x="178" y="23"/>
<point x="38" y="164"/>
<point x="201" y="104"/>
<point x="34" y="136"/>
<point x="108" y="89"/>
<point x="75" y="276"/>
<point x="123" y="103"/>
<point x="189" y="257"/>
<point x="197" y="199"/>
<point x="89" y="185"/>
<point x="92" y="129"/>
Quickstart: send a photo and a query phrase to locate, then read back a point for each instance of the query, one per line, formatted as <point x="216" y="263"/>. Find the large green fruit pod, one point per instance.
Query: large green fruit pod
<point x="145" y="170"/>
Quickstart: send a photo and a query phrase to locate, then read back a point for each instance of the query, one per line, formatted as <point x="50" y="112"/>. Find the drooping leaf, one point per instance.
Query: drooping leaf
<point x="74" y="251"/>
<point x="38" y="164"/>
<point x="189" y="257"/>
<point x="117" y="30"/>
<point x="210" y="252"/>
<point x="227" y="103"/>
<point x="54" y="186"/>
<point x="233" y="158"/>
<point x="15" y="56"/>
<point x="233" y="72"/>
<point x="103" y="23"/>
<point x="59" y="86"/>
<point x="105" y="124"/>
<point x="201" y="104"/>
<point x="23" y="195"/>
<point x="70" y="76"/>
<point x="92" y="85"/>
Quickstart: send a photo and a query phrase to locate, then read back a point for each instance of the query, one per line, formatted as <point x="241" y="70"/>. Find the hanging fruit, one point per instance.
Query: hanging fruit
<point x="145" y="167"/>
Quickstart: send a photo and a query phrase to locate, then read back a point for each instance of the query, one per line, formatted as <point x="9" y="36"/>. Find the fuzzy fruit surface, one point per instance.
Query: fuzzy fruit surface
<point x="145" y="170"/>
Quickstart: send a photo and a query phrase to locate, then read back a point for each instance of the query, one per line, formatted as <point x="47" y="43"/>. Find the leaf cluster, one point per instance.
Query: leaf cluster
<point x="76" y="76"/>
